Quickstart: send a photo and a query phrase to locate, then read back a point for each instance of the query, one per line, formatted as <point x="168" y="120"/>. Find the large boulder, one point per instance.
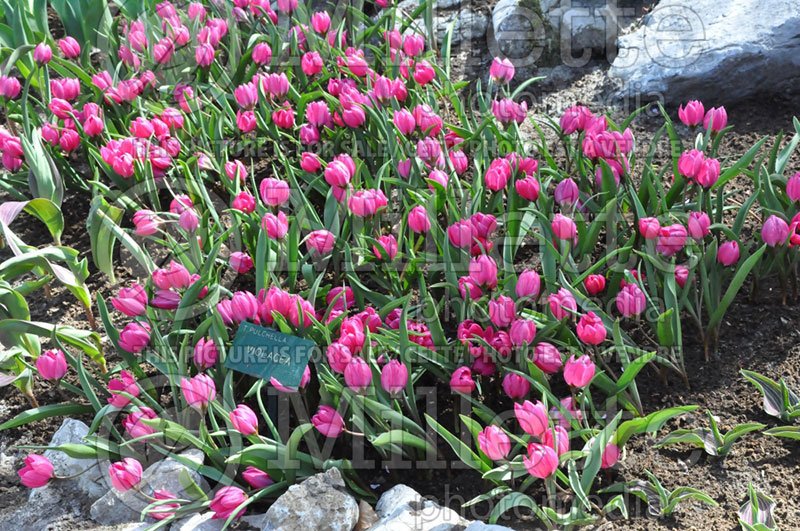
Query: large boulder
<point x="401" y="507"/>
<point x="710" y="49"/>
<point x="168" y="474"/>
<point x="321" y="503"/>
<point x="551" y="32"/>
<point x="88" y="473"/>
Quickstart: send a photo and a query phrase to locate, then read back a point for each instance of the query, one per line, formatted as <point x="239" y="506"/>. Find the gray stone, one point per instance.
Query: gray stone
<point x="134" y="526"/>
<point x="710" y="49"/>
<point x="394" y="498"/>
<point x="519" y="32"/>
<point x="530" y="32"/>
<point x="321" y="503"/>
<point x="8" y="465"/>
<point x="480" y="526"/>
<point x="470" y="25"/>
<point x="255" y="521"/>
<point x="199" y="522"/>
<point x="122" y="507"/>
<point x="410" y="5"/>
<point x="448" y="4"/>
<point x="580" y="25"/>
<point x="402" y="508"/>
<point x="90" y="479"/>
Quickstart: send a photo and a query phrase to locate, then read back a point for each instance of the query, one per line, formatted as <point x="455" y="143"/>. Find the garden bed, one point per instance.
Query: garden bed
<point x="535" y="300"/>
<point x="761" y="335"/>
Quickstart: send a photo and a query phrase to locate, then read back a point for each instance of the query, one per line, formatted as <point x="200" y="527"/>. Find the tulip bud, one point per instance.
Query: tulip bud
<point x="728" y="253"/>
<point x="528" y="188"/>
<point x="691" y="163"/>
<point x="164" y="510"/>
<point x="558" y="442"/>
<point x="189" y="221"/>
<point x="227" y="500"/>
<point x="681" y="275"/>
<point x="631" y="300"/>
<point x="579" y="371"/>
<point x="389" y="244"/>
<point x="547" y="358"/>
<point x="594" y="284"/>
<point x="125" y="474"/>
<point x="573" y="411"/>
<point x="649" y="228"/>
<point x="328" y="421"/>
<point x="275" y="227"/>
<point x="532" y="418"/>
<point x="610" y="456"/>
<point x="42" y="54"/>
<point x="199" y="391"/>
<point x="205" y="353"/>
<point x="147" y="223"/>
<point x="591" y="329"/>
<point x="418" y="220"/>
<point x="515" y="386"/>
<point x="576" y="118"/>
<point x="93" y="125"/>
<point x="262" y="53"/>
<point x="394" y="377"/>
<point x="258" y="479"/>
<point x="321" y="22"/>
<point x="483" y="271"/>
<point x="793" y="187"/>
<point x="522" y="332"/>
<point x="133" y="423"/>
<point x="566" y="192"/>
<point x="528" y="284"/>
<point x="358" y="375"/>
<point x="671" y="239"/>
<point x="541" y="461"/>
<point x="497" y="175"/>
<point x="693" y="114"/>
<point x="502" y="311"/>
<point x="125" y="383"/>
<point x="715" y="118"/>
<point x="708" y="174"/>
<point x="244" y="420"/>
<point x="135" y="336"/>
<point x="461" y="381"/>
<point x="69" y="47"/>
<point x="37" y="471"/>
<point x="562" y="304"/>
<point x="775" y="231"/>
<point x="563" y="227"/>
<point x="494" y="443"/>
<point x="439" y="177"/>
<point x="52" y="365"/>
<point x="404" y="121"/>
<point x="501" y="70"/>
<point x="321" y="241"/>
<point x="241" y="262"/>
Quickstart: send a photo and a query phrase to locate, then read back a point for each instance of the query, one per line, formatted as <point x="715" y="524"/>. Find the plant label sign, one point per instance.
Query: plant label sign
<point x="266" y="353"/>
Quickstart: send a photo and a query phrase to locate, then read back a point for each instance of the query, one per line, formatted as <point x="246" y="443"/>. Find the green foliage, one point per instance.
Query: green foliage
<point x="661" y="502"/>
<point x="710" y="439"/>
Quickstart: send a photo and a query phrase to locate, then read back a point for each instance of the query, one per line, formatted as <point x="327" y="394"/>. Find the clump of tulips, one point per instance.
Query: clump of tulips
<point x="350" y="198"/>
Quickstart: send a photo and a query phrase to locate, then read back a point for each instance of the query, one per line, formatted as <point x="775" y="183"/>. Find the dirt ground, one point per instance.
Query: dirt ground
<point x="761" y="335"/>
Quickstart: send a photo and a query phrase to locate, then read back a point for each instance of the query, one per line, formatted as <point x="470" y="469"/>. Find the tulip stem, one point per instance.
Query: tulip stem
<point x="549" y="484"/>
<point x="76" y="475"/>
<point x="138" y="488"/>
<point x="32" y="400"/>
<point x="355" y="433"/>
